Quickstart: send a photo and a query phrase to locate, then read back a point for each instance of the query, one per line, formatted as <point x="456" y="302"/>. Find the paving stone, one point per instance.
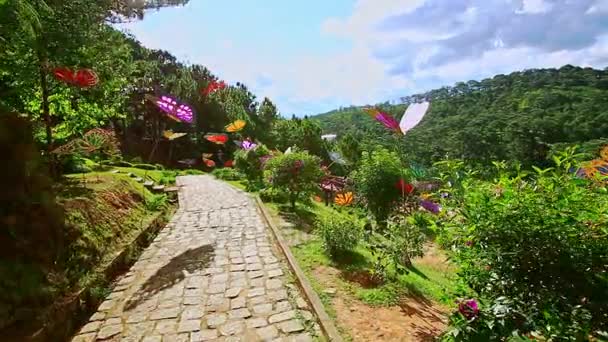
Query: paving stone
<point x="283" y="306"/>
<point x="192" y="313"/>
<point x="258" y="291"/>
<point x="258" y="300"/>
<point x="90" y="327"/>
<point x="307" y="315"/>
<point x="98" y="316"/>
<point x="109" y="331"/>
<point x="204" y="335"/>
<point x="282" y="316"/>
<point x="215" y="320"/>
<point x="254" y="267"/>
<point x="189" y="325"/>
<point x="275" y="273"/>
<point x="259" y="282"/>
<point x="232" y="328"/>
<point x="165" y="313"/>
<point x="233" y="292"/>
<point x="237" y="303"/>
<point x="155" y="338"/>
<point x="301" y="303"/>
<point x="239" y="313"/>
<point x="291" y="326"/>
<point x="234" y="268"/>
<point x="136" y="317"/>
<point x="166" y="326"/>
<point x="262" y="309"/>
<point x="216" y="288"/>
<point x="219" y="278"/>
<point x="277" y="295"/>
<point x="193" y="301"/>
<point x="273" y="284"/>
<point x="256" y="322"/>
<point x="90" y="337"/>
<point x="267" y="333"/>
<point x="240" y="282"/>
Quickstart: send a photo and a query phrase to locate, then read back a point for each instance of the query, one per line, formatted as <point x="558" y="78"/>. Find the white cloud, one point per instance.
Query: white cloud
<point x="535" y="6"/>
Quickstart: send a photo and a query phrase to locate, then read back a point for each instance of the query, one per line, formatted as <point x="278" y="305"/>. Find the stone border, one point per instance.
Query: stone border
<point x="326" y="323"/>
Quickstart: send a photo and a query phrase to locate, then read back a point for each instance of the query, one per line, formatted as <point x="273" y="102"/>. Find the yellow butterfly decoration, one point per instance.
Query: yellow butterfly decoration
<point x="236" y="126"/>
<point x="344" y="199"/>
<point x="170" y="135"/>
<point x="604" y="153"/>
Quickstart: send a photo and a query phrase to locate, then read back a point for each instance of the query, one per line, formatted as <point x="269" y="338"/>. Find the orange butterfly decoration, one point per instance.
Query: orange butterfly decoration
<point x="236" y="126"/>
<point x="206" y="159"/>
<point x="344" y="199"/>
<point x="318" y="198"/>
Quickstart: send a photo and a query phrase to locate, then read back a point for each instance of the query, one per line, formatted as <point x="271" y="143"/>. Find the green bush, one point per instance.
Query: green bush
<point x="274" y="195"/>
<point x="340" y="233"/>
<point x="297" y="173"/>
<point x="227" y="174"/>
<point x="156" y="202"/>
<point x="192" y="172"/>
<point x="538" y="242"/>
<point x="248" y="163"/>
<point x="375" y="180"/>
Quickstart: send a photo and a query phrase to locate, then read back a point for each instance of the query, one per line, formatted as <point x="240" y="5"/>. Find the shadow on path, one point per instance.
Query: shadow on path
<point x="172" y="273"/>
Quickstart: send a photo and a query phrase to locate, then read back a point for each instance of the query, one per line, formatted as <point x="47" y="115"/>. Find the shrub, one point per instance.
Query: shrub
<point x="297" y="173"/>
<point x="541" y="242"/>
<point x="274" y="195"/>
<point x="227" y="174"/>
<point x="248" y="163"/>
<point x="375" y="180"/>
<point x="156" y="202"/>
<point x="340" y="233"/>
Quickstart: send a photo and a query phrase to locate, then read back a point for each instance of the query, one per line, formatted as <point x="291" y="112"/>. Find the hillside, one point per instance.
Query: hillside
<point x="519" y="116"/>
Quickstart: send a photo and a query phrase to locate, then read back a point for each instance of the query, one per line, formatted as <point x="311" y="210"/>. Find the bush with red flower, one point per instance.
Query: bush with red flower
<point x="297" y="173"/>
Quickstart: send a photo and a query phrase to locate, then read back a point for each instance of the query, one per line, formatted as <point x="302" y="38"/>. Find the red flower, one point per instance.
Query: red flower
<point x="404" y="188"/>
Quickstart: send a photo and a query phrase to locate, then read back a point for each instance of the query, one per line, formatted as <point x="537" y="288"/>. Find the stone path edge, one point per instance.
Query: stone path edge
<point x="327" y="325"/>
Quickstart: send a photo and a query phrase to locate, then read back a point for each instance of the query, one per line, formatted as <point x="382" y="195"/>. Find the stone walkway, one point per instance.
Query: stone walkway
<point x="210" y="275"/>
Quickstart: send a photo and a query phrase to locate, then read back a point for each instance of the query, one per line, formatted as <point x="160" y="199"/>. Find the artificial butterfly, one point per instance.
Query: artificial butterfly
<point x="337" y="158"/>
<point x="236" y="126"/>
<point x="385" y="119"/>
<point x="403" y="187"/>
<point x="413" y="115"/>
<point x="207" y="159"/>
<point x="229" y="163"/>
<point x="344" y="199"/>
<point x="213" y="87"/>
<point x="175" y="111"/>
<point x="83" y="78"/>
<point x="247" y="145"/>
<point x="219" y="139"/>
<point x="430" y="206"/>
<point x="604" y="153"/>
<point x="288" y="151"/>
<point x="170" y="135"/>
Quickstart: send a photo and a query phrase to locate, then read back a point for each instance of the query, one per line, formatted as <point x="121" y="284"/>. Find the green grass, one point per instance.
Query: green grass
<point x="424" y="280"/>
<point x="237" y="183"/>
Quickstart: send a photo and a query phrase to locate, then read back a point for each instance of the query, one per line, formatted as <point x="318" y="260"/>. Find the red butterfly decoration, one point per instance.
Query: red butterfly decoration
<point x="219" y="139"/>
<point x="82" y="78"/>
<point x="229" y="163"/>
<point x="403" y="187"/>
<point x="213" y="86"/>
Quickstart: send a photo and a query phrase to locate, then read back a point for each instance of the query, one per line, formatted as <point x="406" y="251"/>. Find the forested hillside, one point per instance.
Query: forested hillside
<point x="519" y="116"/>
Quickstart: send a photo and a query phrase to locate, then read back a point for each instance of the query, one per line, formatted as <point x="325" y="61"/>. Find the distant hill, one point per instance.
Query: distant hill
<point x="508" y="117"/>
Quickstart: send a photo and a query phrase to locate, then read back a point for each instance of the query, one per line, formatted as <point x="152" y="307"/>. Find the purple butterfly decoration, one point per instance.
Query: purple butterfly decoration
<point x="248" y="145"/>
<point x="178" y="112"/>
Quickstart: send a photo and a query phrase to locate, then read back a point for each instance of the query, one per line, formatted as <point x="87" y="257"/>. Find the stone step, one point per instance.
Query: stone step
<point x="149" y="184"/>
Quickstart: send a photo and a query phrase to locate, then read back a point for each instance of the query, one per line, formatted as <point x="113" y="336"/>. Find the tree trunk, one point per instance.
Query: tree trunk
<point x="45" y="103"/>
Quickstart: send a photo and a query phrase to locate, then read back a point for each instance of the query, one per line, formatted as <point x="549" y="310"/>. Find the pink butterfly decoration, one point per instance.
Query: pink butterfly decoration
<point x="248" y="145"/>
<point x="385" y="119"/>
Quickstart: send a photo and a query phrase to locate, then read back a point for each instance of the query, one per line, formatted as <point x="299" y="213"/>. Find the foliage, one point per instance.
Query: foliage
<point x="156" y="202"/>
<point x="297" y="173"/>
<point x="540" y="241"/>
<point x="375" y="180"/>
<point x="508" y="117"/>
<point x="302" y="133"/>
<point x="340" y="233"/>
<point x="248" y="162"/>
<point x="274" y="195"/>
<point x="227" y="174"/>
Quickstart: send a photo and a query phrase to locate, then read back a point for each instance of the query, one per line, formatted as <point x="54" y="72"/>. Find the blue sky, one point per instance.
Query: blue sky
<point x="313" y="56"/>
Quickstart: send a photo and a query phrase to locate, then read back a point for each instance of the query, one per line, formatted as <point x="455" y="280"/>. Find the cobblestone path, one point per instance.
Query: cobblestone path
<point x="210" y="275"/>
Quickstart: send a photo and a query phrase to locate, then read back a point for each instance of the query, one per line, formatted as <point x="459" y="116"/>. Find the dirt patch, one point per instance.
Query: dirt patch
<point x="415" y="319"/>
<point x="363" y="278"/>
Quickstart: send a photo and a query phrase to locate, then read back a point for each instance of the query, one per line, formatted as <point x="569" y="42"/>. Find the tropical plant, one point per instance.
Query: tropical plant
<point x="250" y="163"/>
<point x="340" y="233"/>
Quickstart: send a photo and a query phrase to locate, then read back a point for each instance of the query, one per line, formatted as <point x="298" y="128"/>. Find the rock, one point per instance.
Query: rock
<point x="148" y="184"/>
<point x="139" y="179"/>
<point x="291" y="326"/>
<point x="330" y="291"/>
<point x="158" y="188"/>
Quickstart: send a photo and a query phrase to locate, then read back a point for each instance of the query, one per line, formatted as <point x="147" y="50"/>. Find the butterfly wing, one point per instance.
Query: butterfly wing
<point x="413" y="115"/>
<point x="184" y="113"/>
<point x="219" y="139"/>
<point x="344" y="199"/>
<point x="86" y="78"/>
<point x="372" y="112"/>
<point x="388" y="122"/>
<point x="236" y="126"/>
<point x="229" y="163"/>
<point x="64" y="75"/>
<point x="337" y="158"/>
<point x="288" y="151"/>
<point x="168" y="134"/>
